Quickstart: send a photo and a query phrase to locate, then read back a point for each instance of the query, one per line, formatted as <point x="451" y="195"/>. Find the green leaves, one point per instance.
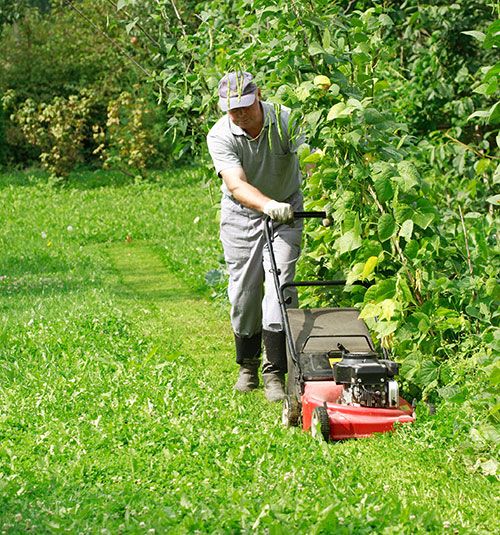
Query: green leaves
<point x="120" y="4"/>
<point x="315" y="49"/>
<point x="327" y="38"/>
<point x="314" y="157"/>
<point x="490" y="79"/>
<point x="491" y="116"/>
<point x="424" y="213"/>
<point x="369" y="267"/>
<point x="386" y="227"/>
<point x="385" y="289"/>
<point x="383" y="311"/>
<point x="408" y="174"/>
<point x="373" y="116"/>
<point x="427" y="374"/>
<point x="362" y="270"/>
<point x="384" y="189"/>
<point x="406" y="229"/>
<point x="494" y="114"/>
<point x="492" y="37"/>
<point x="339" y="111"/>
<point x="349" y="241"/>
<point x="480" y="36"/>
<point x="494" y="200"/>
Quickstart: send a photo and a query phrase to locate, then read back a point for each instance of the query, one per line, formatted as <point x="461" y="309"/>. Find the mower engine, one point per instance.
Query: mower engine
<point x="368" y="381"/>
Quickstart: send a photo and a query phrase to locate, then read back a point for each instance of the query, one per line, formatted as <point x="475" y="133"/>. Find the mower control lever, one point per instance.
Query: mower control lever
<point x="342" y="348"/>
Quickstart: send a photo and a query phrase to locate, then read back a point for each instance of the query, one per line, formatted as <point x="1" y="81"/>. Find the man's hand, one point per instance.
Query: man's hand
<point x="281" y="212"/>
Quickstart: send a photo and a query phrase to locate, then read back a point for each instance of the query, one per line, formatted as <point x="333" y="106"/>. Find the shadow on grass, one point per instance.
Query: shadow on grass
<point x="32" y="264"/>
<point x="40" y="273"/>
<point x="89" y="179"/>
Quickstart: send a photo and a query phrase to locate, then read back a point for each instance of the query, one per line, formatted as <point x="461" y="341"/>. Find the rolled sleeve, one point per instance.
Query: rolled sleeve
<point x="223" y="154"/>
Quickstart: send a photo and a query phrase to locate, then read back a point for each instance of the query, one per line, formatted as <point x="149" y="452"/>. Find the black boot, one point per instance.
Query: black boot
<point x="275" y="365"/>
<point x="248" y="351"/>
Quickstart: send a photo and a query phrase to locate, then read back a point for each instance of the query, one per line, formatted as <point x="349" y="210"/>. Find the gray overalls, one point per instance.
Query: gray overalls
<point x="254" y="303"/>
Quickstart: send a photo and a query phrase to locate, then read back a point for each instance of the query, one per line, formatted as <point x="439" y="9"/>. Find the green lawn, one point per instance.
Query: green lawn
<point x="117" y="413"/>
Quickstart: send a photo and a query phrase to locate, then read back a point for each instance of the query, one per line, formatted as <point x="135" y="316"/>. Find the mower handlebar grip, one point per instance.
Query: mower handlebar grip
<point x="326" y="221"/>
<point x="303" y="215"/>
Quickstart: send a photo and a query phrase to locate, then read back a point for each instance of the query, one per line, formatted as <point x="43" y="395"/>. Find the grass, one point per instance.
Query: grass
<point x="117" y="413"/>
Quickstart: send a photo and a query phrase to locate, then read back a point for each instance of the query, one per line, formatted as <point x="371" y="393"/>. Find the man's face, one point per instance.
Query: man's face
<point x="247" y="117"/>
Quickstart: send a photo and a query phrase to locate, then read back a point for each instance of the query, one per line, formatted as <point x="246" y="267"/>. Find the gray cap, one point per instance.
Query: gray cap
<point x="236" y="90"/>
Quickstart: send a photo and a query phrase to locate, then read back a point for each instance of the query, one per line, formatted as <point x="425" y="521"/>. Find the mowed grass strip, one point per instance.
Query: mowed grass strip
<point x="117" y="412"/>
<point x="173" y="313"/>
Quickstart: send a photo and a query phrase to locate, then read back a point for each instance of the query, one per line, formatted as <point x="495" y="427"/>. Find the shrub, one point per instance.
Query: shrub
<point x="57" y="129"/>
<point x="128" y="141"/>
<point x="59" y="55"/>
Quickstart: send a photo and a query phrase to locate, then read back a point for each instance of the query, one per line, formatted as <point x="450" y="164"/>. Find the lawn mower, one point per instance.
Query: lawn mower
<point x="337" y="386"/>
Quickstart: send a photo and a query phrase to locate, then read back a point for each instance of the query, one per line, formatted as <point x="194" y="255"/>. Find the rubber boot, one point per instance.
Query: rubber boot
<point x="275" y="365"/>
<point x="274" y="387"/>
<point x="248" y="351"/>
<point x="248" y="376"/>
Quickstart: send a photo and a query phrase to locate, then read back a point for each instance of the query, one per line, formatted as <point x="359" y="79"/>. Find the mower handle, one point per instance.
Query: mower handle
<point x="303" y="215"/>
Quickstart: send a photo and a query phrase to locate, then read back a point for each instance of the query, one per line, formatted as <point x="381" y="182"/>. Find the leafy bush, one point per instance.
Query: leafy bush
<point x="435" y="62"/>
<point x="58" y="55"/>
<point x="129" y="140"/>
<point x="57" y="129"/>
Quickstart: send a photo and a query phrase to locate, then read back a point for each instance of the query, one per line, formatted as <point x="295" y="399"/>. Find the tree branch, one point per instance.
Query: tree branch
<point x="112" y="41"/>
<point x="468" y="147"/>
<point x="141" y="28"/>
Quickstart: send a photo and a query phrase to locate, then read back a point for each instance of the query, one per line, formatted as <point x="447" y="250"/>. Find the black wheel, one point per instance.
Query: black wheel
<point x="320" y="424"/>
<point x="290" y="415"/>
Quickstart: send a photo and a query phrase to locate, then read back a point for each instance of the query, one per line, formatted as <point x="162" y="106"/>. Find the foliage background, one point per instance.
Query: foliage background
<point x="406" y="126"/>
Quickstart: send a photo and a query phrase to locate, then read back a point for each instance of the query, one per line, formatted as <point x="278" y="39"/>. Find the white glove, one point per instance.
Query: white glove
<point x="281" y="212"/>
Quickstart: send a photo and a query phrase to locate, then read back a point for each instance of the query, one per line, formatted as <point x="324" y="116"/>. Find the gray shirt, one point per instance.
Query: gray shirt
<point x="270" y="162"/>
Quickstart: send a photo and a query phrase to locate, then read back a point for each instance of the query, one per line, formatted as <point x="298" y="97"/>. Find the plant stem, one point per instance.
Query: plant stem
<point x="177" y="14"/>
<point x="469" y="262"/>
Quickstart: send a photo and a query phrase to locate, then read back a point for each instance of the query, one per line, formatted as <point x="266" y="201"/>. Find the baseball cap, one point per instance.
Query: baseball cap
<point x="236" y="90"/>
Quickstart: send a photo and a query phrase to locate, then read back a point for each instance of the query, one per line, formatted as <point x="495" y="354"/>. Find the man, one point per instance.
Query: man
<point x="254" y="153"/>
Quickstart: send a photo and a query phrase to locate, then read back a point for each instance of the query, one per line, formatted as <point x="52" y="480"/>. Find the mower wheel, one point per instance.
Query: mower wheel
<point x="290" y="415"/>
<point x="320" y="424"/>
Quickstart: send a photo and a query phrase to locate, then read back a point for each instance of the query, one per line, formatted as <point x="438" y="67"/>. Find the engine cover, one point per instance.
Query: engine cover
<point x="360" y="368"/>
